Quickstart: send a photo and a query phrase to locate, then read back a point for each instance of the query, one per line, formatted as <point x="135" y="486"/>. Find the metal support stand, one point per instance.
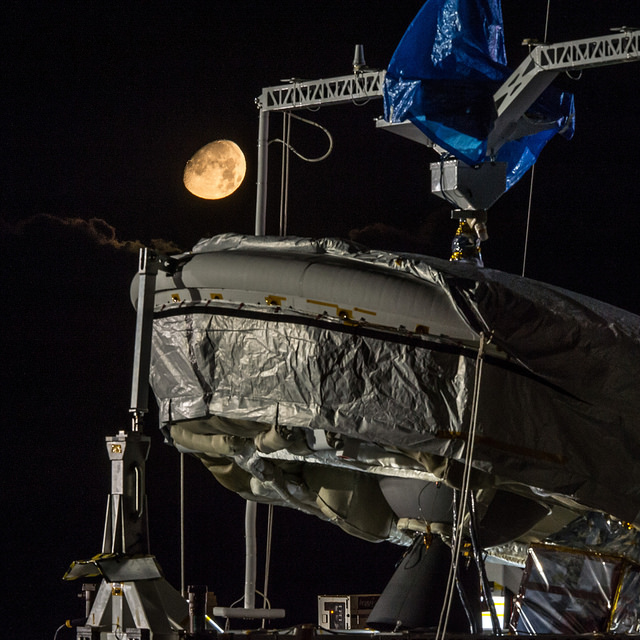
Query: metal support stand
<point x="133" y="600"/>
<point x="126" y="527"/>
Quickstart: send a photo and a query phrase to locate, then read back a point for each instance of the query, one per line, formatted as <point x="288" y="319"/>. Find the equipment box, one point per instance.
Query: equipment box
<point x="345" y="612"/>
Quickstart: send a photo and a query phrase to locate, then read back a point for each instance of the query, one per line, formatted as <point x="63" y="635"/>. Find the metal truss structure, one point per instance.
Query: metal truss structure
<point x="301" y="94"/>
<point x="512" y="100"/>
<point x="589" y="52"/>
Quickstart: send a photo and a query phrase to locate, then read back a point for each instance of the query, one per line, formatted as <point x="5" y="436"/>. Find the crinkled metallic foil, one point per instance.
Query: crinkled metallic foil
<point x="558" y="415"/>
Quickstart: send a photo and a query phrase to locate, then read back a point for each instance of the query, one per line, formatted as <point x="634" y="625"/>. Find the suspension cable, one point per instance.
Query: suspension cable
<point x="464" y="493"/>
<point x="526" y="235"/>
<point x="287" y="148"/>
<point x="284" y="171"/>
<point x="546" y="21"/>
<point x="533" y="168"/>
<point x="267" y="560"/>
<point x="182" y="571"/>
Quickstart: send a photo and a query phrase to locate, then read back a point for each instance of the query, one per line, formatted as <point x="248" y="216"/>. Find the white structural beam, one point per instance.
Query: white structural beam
<point x="589" y="52"/>
<point x="301" y="94"/>
<point x="543" y="64"/>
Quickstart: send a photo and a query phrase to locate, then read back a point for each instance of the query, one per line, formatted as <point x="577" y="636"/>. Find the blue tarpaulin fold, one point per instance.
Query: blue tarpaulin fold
<point x="442" y="78"/>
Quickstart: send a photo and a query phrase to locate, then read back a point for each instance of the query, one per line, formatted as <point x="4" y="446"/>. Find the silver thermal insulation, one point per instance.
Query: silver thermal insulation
<point x="323" y="354"/>
<point x="573" y="592"/>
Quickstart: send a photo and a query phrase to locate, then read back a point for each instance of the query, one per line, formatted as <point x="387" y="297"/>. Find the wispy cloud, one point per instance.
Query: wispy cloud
<point x="97" y="230"/>
<point x="427" y="238"/>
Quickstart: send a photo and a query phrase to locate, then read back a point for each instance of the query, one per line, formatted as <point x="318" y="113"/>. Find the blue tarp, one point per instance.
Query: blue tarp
<point x="442" y="78"/>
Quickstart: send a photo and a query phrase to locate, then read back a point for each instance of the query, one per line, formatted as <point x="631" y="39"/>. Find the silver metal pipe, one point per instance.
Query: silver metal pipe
<point x="261" y="181"/>
<point x="250" y="555"/>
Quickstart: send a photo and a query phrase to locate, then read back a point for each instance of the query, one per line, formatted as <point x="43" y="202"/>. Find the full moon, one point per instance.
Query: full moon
<point x="216" y="170"/>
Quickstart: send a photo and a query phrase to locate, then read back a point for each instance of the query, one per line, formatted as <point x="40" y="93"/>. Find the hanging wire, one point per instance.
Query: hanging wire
<point x="284" y="176"/>
<point x="533" y="168"/>
<point x="182" y="582"/>
<point x="484" y="581"/>
<point x="546" y="21"/>
<point x="362" y="85"/>
<point x="464" y="492"/>
<point x="302" y="157"/>
<point x="526" y="234"/>
<point x="267" y="560"/>
<point x="576" y="77"/>
<point x="284" y="171"/>
<point x="241" y="598"/>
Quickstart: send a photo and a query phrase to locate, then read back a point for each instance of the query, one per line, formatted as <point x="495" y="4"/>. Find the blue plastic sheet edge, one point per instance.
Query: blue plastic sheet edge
<point x="442" y="78"/>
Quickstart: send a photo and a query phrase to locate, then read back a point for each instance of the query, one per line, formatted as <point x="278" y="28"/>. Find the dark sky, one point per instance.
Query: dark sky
<point x="103" y="105"/>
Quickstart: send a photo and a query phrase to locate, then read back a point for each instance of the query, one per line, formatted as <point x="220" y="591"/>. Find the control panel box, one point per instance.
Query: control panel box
<point x="345" y="612"/>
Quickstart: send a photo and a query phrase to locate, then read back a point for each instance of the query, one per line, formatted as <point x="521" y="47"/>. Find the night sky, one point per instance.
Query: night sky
<point x="103" y="105"/>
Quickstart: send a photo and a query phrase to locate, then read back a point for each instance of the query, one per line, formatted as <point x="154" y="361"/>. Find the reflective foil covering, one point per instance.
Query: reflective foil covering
<point x="291" y="365"/>
<point x="573" y="592"/>
<point x="626" y="614"/>
<point x="307" y="373"/>
<point x="558" y="417"/>
<point x="599" y="533"/>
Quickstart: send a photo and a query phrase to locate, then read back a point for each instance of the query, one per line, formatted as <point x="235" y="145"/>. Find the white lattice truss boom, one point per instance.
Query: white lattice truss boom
<point x="590" y="52"/>
<point x="301" y="94"/>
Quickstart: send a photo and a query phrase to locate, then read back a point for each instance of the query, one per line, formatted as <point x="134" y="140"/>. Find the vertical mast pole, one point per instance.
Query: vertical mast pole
<point x="261" y="184"/>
